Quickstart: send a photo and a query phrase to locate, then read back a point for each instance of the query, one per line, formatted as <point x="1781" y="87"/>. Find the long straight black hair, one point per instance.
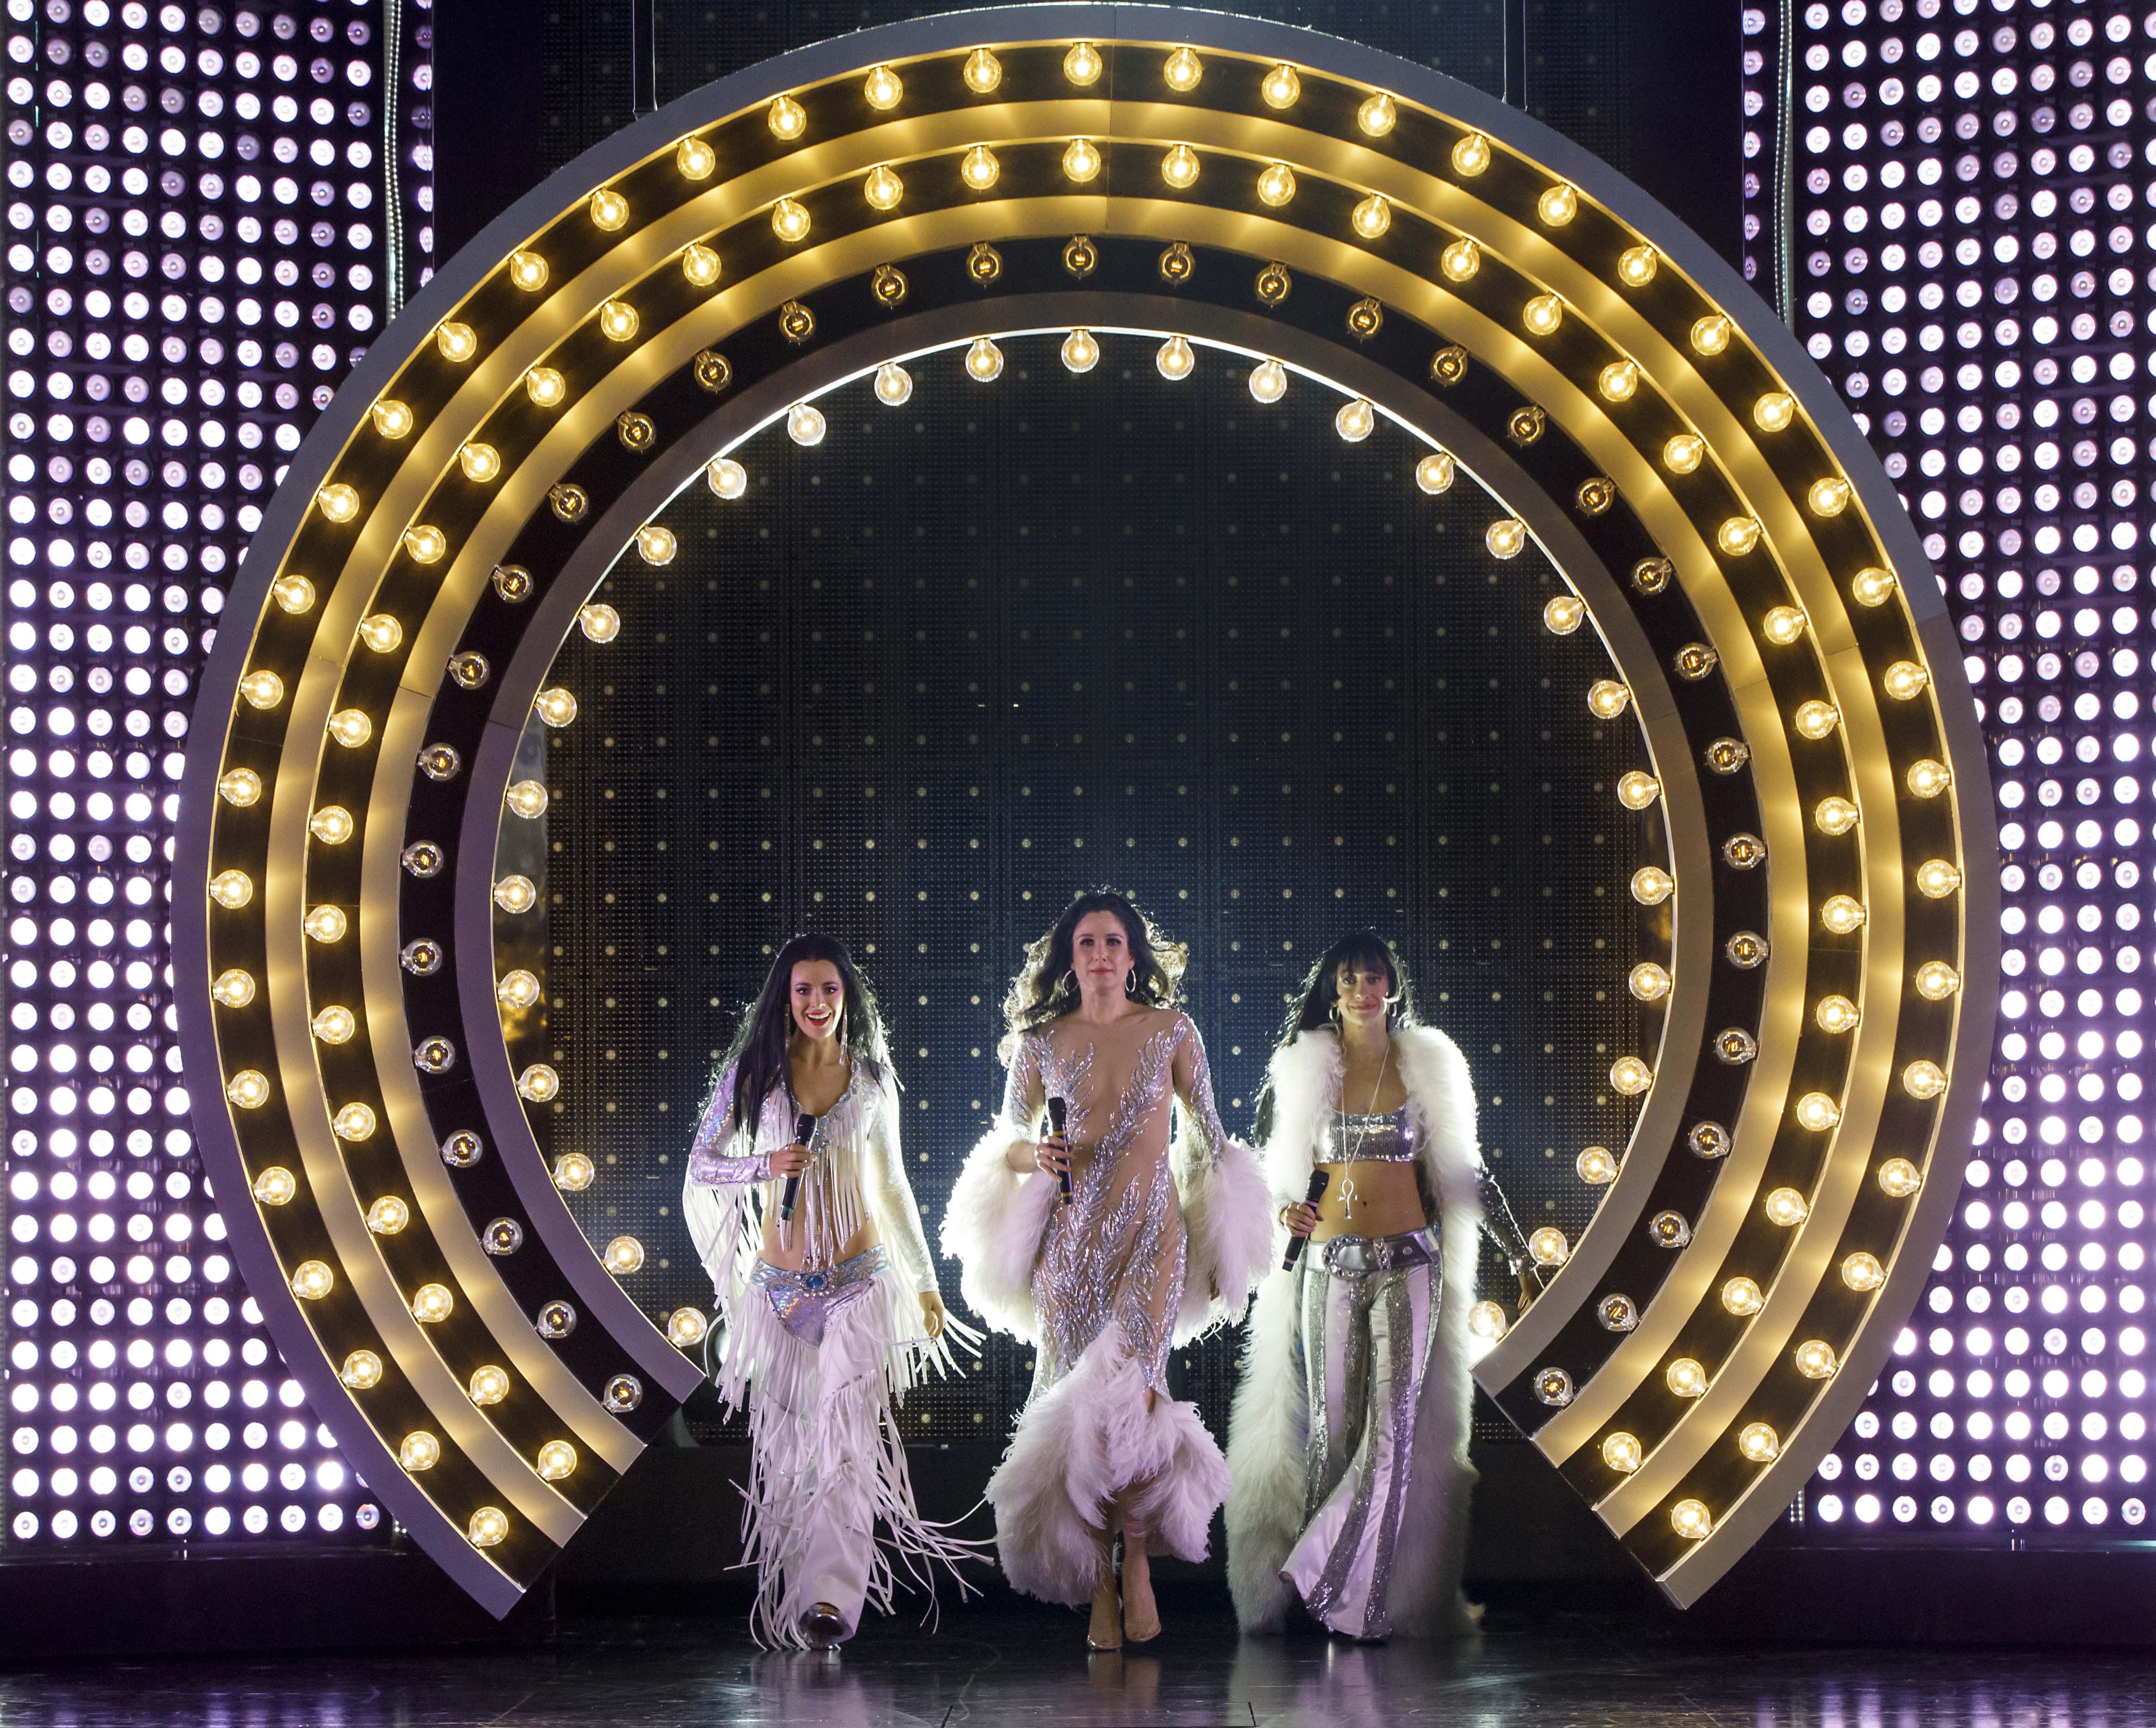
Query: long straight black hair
<point x="1045" y="988"/>
<point x="1318" y="1002"/>
<point x="758" y="1056"/>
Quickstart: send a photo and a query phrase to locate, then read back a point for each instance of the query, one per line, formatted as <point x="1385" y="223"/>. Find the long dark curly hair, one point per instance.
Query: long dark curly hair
<point x="1045" y="988"/>
<point x="758" y="1055"/>
<point x="1318" y="1002"/>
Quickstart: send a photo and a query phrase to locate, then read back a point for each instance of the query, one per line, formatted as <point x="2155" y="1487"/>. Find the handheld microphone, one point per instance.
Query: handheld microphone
<point x="805" y="1127"/>
<point x="1319" y="1180"/>
<point x="1058" y="1114"/>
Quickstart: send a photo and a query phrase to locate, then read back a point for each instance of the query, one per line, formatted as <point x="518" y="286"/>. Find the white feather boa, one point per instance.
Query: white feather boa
<point x="1270" y="1424"/>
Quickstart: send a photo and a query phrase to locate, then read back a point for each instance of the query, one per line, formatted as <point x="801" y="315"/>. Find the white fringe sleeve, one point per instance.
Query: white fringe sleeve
<point x="996" y="1217"/>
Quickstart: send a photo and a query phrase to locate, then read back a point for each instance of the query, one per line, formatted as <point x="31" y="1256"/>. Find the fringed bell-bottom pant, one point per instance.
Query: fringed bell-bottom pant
<point x="1367" y="1311"/>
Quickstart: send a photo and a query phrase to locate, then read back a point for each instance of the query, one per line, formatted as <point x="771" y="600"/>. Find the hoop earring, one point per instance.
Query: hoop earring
<point x="1333" y="1013"/>
<point x="1131" y="982"/>
<point x="1069" y="978"/>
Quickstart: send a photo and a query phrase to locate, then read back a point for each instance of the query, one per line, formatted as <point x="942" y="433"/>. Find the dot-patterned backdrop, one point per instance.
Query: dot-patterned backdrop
<point x="967" y="655"/>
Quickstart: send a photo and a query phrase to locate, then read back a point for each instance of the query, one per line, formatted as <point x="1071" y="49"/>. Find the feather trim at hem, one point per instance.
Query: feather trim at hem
<point x="1267" y="1434"/>
<point x="993" y="1225"/>
<point x="1087" y="1439"/>
<point x="836" y="1431"/>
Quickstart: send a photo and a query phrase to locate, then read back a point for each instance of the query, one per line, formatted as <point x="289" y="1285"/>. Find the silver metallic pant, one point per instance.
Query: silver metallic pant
<point x="1367" y="1310"/>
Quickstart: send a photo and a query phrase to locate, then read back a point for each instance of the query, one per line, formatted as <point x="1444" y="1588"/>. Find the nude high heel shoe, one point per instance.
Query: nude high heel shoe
<point x="1135" y="1630"/>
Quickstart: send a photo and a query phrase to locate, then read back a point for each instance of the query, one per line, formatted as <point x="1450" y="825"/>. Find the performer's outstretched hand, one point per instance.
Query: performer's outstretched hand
<point x="931" y="1313"/>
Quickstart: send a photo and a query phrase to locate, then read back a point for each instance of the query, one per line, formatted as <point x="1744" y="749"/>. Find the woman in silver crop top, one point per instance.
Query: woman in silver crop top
<point x="1348" y="1439"/>
<point x="830" y="1305"/>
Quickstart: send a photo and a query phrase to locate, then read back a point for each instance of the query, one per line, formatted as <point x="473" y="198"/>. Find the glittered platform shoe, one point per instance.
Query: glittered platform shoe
<point x="824" y="1627"/>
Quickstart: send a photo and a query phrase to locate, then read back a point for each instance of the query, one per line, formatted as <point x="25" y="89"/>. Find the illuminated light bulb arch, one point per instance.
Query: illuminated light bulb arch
<point x="629" y="332"/>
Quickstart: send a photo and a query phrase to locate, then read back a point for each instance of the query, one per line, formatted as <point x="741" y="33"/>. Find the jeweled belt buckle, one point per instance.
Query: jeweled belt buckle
<point x="814" y="1280"/>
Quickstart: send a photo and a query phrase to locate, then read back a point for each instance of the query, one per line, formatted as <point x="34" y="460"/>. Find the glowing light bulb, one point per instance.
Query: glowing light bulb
<point x="556" y="706"/>
<point x="233" y="987"/>
<point x="516" y="894"/>
<point x="1861" y="1271"/>
<point x="600" y="622"/>
<point x="391" y="419"/>
<point x="1176" y="359"/>
<point x="625" y="1254"/>
<point x="1563" y="613"/>
<point x="313" y="1281"/>
<point x="700" y="265"/>
<point x="539" y="1083"/>
<point x="276" y="1185"/>
<point x="1435" y="473"/>
<point x="1683" y="453"/>
<point x="334" y="1025"/>
<point x="1710" y="336"/>
<point x="1691" y="1520"/>
<point x="1631" y="1076"/>
<point x="1179" y="167"/>
<point x="1937" y="879"/>
<point x="1738" y="535"/>
<point x="1461" y="259"/>
<point x="1542" y="314"/>
<point x="1548" y="1247"/>
<point x="1607" y="698"/>
<point x="1928" y="779"/>
<point x="490" y="1385"/>
<point x="609" y="210"/>
<point x="326" y="924"/>
<point x="426" y="544"/>
<point x="433" y="1303"/>
<point x="1597" y="1165"/>
<point x="557" y="1460"/>
<point x="262" y="688"/>
<point x="728" y="478"/>
<point x="882" y="188"/>
<point x="1900" y="1177"/>
<point x="1924" y="1079"/>
<point x="1905" y="681"/>
<point x="546" y="387"/>
<point x="1774" y="411"/>
<point x="339" y="502"/>
<point x="1356" y="421"/>
<point x="1552" y="1386"/>
<point x="1080" y="352"/>
<point x="1872" y="587"/>
<point x="362" y="1370"/>
<point x="618" y="319"/>
<point x="979" y="168"/>
<point x="1276" y="185"/>
<point x="883" y="89"/>
<point x="984" y="361"/>
<point x="656" y="546"/>
<point x="1619" y="381"/>
<point x="355" y="1121"/>
<point x="528" y="271"/>
<point x="420" y="1451"/>
<point x="526" y="798"/>
<point x="518" y="990"/>
<point x="1082" y="65"/>
<point x="479" y="462"/>
<point x="1783" y="625"/>
<point x="695" y="159"/>
<point x="1828" y="497"/>
<point x="1842" y="914"/>
<point x="488" y="1527"/>
<point x="1818" y="1112"/>
<point x="351" y="728"/>
<point x="1182" y="69"/>
<point x="1081" y="159"/>
<point x="231" y="889"/>
<point x="1636" y="266"/>
<point x="786" y="118"/>
<point x="1648" y="982"/>
<point x="387" y="1216"/>
<point x="1816" y="719"/>
<point x="805" y="425"/>
<point x="1506" y="537"/>
<point x="249" y="1088"/>
<point x="1622" y="1452"/>
<point x="458" y="341"/>
<point x="1377" y="115"/>
<point x="1371" y="218"/>
<point x="1815" y="1360"/>
<point x="1651" y="884"/>
<point x="1708" y="1140"/>
<point x="294" y="594"/>
<point x="1687" y="1378"/>
<point x="1835" y="816"/>
<point x="1635" y="790"/>
<point x="1936" y="981"/>
<point x="1787" y="1207"/>
<point x="1836" y="1014"/>
<point x="1470" y="155"/>
<point x="1742" y="1296"/>
<point x="574" y="1172"/>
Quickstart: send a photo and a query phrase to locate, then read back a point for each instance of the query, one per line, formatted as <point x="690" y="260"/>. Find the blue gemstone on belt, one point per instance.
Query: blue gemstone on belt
<point x="814" y="1280"/>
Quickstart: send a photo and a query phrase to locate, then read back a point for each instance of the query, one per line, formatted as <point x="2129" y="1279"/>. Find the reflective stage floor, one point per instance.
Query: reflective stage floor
<point x="1009" y="1662"/>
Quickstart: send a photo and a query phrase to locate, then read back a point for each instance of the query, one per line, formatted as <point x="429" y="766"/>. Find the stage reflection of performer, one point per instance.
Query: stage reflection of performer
<point x="1161" y="1236"/>
<point x="831" y="1315"/>
<point x="1348" y="1439"/>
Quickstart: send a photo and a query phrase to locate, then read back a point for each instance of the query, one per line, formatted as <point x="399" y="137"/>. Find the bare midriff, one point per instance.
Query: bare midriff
<point x="1386" y="1201"/>
<point x="789" y="1251"/>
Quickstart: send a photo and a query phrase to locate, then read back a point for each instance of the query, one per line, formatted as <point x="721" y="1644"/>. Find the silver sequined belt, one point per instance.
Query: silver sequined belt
<point x="1354" y="1256"/>
<point x="805" y="1301"/>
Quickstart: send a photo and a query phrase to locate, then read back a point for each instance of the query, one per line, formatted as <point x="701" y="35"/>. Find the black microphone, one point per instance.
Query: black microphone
<point x="1319" y="1180"/>
<point x="804" y="1128"/>
<point x="1058" y="1111"/>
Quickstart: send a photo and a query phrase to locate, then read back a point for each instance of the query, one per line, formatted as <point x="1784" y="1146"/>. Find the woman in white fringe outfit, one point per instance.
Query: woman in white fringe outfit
<point x="1160" y="1238"/>
<point x="1348" y="1437"/>
<point x="830" y="1317"/>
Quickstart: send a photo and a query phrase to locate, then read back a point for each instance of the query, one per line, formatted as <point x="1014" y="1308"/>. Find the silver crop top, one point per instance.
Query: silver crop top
<point x="1391" y="1139"/>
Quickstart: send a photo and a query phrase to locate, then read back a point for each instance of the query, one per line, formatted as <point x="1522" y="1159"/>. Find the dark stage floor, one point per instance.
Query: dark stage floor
<point x="1009" y="1662"/>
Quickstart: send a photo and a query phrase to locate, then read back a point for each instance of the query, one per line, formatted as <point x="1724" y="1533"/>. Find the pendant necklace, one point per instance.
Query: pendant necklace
<point x="1348" y="1192"/>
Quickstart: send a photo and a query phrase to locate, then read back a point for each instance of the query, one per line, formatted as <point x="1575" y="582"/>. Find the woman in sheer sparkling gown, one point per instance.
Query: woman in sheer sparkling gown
<point x="1163" y="1232"/>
